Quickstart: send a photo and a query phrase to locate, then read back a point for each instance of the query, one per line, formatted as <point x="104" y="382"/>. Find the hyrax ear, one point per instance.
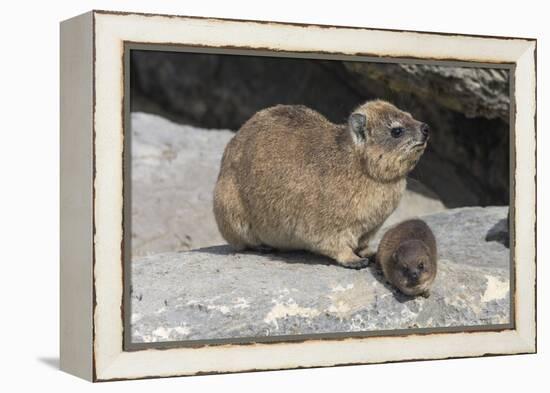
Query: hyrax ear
<point x="357" y="124"/>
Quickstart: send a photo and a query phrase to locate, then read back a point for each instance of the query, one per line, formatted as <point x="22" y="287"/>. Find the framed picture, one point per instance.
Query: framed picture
<point x="245" y="195"/>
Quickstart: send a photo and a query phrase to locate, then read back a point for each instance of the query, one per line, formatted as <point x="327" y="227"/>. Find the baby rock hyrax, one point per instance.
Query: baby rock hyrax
<point x="407" y="255"/>
<point x="292" y="180"/>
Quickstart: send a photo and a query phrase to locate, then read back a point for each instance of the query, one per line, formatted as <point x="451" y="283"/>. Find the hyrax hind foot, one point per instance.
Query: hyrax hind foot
<point x="350" y="260"/>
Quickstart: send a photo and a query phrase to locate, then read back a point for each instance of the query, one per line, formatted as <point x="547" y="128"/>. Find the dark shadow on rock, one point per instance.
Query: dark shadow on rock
<point x="417" y="187"/>
<point x="222" y="249"/>
<point x="308" y="258"/>
<point x="499" y="233"/>
<point x="52" y="362"/>
<point x="291" y="257"/>
<point x="301" y="257"/>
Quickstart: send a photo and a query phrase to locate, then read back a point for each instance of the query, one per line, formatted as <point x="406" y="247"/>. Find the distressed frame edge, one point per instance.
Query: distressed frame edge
<point x="305" y="25"/>
<point x="527" y="341"/>
<point x="526" y="124"/>
<point x="76" y="196"/>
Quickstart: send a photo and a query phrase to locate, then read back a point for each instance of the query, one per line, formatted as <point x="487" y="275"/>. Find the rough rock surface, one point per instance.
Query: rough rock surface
<point x="475" y="92"/>
<point x="467" y="161"/>
<point x="215" y="293"/>
<point x="468" y="111"/>
<point x="174" y="170"/>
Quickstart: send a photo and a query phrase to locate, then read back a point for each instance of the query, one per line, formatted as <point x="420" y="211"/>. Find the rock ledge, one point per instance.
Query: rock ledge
<point x="213" y="293"/>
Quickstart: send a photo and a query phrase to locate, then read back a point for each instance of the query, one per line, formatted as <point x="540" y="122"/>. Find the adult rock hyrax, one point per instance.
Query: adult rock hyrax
<point x="292" y="180"/>
<point x="407" y="255"/>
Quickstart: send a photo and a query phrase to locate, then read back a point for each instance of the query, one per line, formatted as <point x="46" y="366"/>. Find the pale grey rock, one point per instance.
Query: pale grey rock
<point x="174" y="170"/>
<point x="418" y="200"/>
<point x="214" y="293"/>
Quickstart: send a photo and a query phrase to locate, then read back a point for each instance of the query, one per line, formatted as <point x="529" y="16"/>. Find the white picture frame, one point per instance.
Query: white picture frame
<point x="92" y="193"/>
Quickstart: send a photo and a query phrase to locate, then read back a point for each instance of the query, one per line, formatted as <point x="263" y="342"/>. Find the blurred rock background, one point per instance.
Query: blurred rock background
<point x="467" y="163"/>
<point x="185" y="108"/>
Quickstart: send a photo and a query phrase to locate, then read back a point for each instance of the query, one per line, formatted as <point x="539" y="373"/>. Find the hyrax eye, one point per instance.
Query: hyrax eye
<point x="396" y="132"/>
<point x="421" y="266"/>
<point x="424" y="129"/>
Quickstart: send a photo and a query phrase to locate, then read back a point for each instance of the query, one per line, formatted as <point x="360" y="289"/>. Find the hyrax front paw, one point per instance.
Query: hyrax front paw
<point x="352" y="261"/>
<point x="360" y="264"/>
<point x="366" y="253"/>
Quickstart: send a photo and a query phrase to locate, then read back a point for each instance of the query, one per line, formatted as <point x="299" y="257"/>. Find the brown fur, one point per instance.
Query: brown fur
<point x="408" y="248"/>
<point x="290" y="179"/>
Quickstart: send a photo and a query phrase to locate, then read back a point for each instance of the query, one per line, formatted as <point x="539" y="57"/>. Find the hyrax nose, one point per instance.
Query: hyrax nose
<point x="414" y="275"/>
<point x="425" y="131"/>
